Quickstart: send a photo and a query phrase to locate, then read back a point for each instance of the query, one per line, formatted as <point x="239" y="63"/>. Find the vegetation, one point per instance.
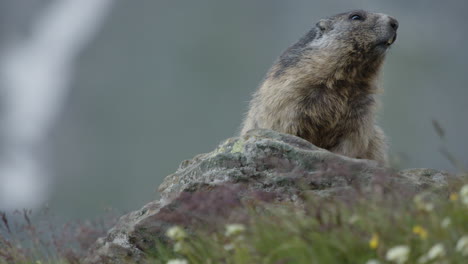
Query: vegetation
<point x="39" y="240"/>
<point x="379" y="230"/>
<point x="382" y="228"/>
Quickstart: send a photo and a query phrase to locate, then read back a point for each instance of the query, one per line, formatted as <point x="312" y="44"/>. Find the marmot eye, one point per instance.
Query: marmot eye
<point x="355" y="17"/>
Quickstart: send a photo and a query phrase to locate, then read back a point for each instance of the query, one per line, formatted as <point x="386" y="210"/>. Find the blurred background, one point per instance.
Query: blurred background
<point x="101" y="99"/>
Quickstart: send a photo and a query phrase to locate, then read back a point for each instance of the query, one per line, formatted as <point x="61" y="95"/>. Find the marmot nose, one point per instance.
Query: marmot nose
<point x="394" y="23"/>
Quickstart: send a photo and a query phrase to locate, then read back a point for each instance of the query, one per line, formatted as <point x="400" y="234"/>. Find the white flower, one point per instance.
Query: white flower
<point x="423" y="259"/>
<point x="373" y="261"/>
<point x="464" y="194"/>
<point x="462" y="245"/>
<point x="178" y="246"/>
<point x="234" y="229"/>
<point x="176" y="233"/>
<point x="398" y="254"/>
<point x="354" y="219"/>
<point x="437" y="251"/>
<point x="177" y="261"/>
<point x="429" y="207"/>
<point x="464" y="190"/>
<point x="229" y="247"/>
<point x="422" y="204"/>
<point x="446" y="222"/>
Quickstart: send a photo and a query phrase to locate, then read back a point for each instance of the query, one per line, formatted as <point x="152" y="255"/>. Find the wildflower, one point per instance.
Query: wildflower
<point x="462" y="245"/>
<point x="177" y="261"/>
<point x="464" y="190"/>
<point x="420" y="231"/>
<point x="423" y="259"/>
<point x="234" y="229"/>
<point x="353" y="219"/>
<point x="446" y="222"/>
<point x="464" y="194"/>
<point x="437" y="251"/>
<point x="229" y="247"/>
<point x="374" y="241"/>
<point x="398" y="254"/>
<point x="373" y="261"/>
<point x="178" y="246"/>
<point x="176" y="233"/>
<point x="453" y="197"/>
<point x="421" y="204"/>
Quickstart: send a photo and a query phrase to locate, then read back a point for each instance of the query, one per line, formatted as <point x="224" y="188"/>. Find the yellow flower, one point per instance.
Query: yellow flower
<point x="453" y="197"/>
<point x="398" y="254"/>
<point x="176" y="233"/>
<point x="420" y="231"/>
<point x="462" y="246"/>
<point x="374" y="241"/>
<point x="234" y="229"/>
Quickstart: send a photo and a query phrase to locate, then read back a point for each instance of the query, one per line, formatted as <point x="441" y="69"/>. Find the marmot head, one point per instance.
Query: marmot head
<point x="348" y="45"/>
<point x="365" y="31"/>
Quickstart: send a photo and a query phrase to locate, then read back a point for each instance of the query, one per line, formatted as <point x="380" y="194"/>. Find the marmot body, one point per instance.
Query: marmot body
<point x="323" y="87"/>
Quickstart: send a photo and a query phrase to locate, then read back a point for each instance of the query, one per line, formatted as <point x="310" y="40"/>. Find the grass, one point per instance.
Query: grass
<point x="371" y="229"/>
<point x="377" y="230"/>
<point x="380" y="228"/>
<point x="29" y="239"/>
<point x="368" y="229"/>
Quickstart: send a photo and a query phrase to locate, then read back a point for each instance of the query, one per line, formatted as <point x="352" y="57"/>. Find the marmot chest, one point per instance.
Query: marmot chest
<point x="328" y="117"/>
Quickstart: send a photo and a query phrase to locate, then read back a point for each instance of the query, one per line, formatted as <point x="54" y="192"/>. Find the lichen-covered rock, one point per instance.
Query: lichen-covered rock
<point x="261" y="165"/>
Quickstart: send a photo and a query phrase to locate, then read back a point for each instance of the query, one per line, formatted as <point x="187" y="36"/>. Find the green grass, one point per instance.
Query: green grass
<point x="335" y="232"/>
<point x="317" y="231"/>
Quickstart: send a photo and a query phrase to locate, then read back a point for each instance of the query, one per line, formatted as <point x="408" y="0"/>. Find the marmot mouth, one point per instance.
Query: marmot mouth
<point x="388" y="42"/>
<point x="392" y="40"/>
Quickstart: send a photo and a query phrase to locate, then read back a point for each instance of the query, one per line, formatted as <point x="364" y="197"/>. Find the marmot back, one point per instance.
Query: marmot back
<point x="323" y="87"/>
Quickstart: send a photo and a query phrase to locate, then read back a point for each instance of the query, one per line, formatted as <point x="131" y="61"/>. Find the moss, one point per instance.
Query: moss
<point x="221" y="149"/>
<point x="238" y="146"/>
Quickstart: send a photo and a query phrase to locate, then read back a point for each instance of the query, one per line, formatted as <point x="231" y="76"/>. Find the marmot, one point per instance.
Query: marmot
<point x="323" y="87"/>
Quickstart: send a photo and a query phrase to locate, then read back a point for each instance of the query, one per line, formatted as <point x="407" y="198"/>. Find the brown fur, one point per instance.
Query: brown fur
<point x="323" y="87"/>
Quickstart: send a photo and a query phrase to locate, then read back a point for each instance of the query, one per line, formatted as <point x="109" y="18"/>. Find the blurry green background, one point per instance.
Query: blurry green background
<point x="166" y="80"/>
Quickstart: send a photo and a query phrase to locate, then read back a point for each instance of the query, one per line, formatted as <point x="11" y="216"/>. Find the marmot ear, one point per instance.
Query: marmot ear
<point x="323" y="25"/>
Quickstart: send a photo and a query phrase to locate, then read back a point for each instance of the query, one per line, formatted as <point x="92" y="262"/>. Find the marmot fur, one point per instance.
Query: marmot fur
<point x="323" y="87"/>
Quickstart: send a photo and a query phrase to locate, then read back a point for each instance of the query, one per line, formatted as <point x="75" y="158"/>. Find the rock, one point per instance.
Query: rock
<point x="262" y="165"/>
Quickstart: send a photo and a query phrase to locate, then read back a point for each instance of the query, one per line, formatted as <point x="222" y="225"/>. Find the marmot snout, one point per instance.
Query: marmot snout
<point x="323" y="87"/>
